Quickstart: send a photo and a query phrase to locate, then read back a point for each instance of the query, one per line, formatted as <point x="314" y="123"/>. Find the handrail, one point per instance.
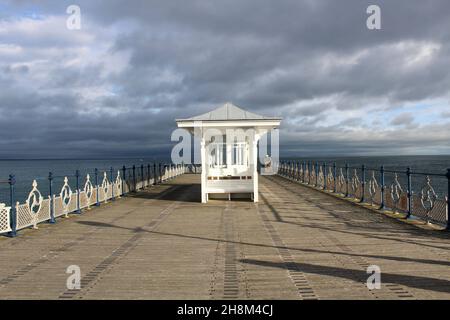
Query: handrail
<point x="80" y="193"/>
<point x="402" y="194"/>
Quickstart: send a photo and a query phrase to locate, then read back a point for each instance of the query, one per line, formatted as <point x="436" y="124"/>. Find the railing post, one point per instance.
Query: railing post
<point x="309" y="171"/>
<point x="448" y="199"/>
<point x="317" y="174"/>
<point x="296" y="170"/>
<point x="112" y="183"/>
<point x="77" y="184"/>
<point x="292" y="169"/>
<point x="154" y="173"/>
<point x="96" y="186"/>
<point x="142" y="176"/>
<point x="160" y="174"/>
<point x="303" y="171"/>
<point x="50" y="190"/>
<point x="383" y="206"/>
<point x="363" y="183"/>
<point x="409" y="192"/>
<point x="288" y="169"/>
<point x="12" y="212"/>
<point x="124" y="177"/>
<point x="325" y="175"/>
<point x="346" y="180"/>
<point x="334" y="177"/>
<point x="148" y="175"/>
<point x="134" y="178"/>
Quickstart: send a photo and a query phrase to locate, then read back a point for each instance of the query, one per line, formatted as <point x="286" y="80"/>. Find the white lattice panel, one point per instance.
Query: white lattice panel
<point x="117" y="189"/>
<point x="84" y="201"/>
<point x="109" y="191"/>
<point x="101" y="195"/>
<point x="58" y="209"/>
<point x="93" y="197"/>
<point x="24" y="216"/>
<point x="44" y="213"/>
<point x="61" y="209"/>
<point x="5" y="225"/>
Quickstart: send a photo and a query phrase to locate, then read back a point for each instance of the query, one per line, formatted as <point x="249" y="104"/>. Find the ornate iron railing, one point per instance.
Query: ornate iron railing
<point x="383" y="189"/>
<point x="77" y="194"/>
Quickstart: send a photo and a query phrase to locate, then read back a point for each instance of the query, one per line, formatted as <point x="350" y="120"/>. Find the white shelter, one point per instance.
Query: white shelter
<point x="229" y="149"/>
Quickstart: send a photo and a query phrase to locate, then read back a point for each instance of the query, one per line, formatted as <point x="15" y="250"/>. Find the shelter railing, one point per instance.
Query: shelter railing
<point x="408" y="193"/>
<point x="77" y="193"/>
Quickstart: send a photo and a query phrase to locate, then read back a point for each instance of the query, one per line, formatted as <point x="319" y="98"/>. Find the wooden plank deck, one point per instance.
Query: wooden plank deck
<point x="161" y="243"/>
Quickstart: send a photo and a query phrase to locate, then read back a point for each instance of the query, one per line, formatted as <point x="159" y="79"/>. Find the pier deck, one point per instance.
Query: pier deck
<point x="161" y="243"/>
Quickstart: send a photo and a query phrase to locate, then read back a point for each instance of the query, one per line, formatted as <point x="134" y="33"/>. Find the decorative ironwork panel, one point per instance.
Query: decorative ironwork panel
<point x="428" y="196"/>
<point x="321" y="178"/>
<point x="330" y="179"/>
<point x="396" y="198"/>
<point x="66" y="197"/>
<point x="105" y="189"/>
<point x="428" y="206"/>
<point x="374" y="190"/>
<point x="340" y="183"/>
<point x="355" y="188"/>
<point x="118" y="185"/>
<point x="28" y="213"/>
<point x="87" y="195"/>
<point x="312" y="176"/>
<point x="73" y="203"/>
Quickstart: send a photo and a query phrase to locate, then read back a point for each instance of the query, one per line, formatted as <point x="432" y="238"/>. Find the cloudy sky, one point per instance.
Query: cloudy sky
<point x="114" y="88"/>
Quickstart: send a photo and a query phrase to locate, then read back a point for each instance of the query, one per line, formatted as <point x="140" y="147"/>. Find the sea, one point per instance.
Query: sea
<point x="25" y="171"/>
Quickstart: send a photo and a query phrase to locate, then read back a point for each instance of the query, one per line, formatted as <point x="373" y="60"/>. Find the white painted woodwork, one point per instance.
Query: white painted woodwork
<point x="229" y="166"/>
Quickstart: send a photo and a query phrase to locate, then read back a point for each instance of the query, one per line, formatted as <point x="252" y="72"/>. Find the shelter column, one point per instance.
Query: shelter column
<point x="255" y="168"/>
<point x="229" y="161"/>
<point x="204" y="173"/>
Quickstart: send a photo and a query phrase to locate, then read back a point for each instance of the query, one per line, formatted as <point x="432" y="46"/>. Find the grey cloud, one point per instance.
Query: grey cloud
<point x="403" y="119"/>
<point x="68" y="95"/>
